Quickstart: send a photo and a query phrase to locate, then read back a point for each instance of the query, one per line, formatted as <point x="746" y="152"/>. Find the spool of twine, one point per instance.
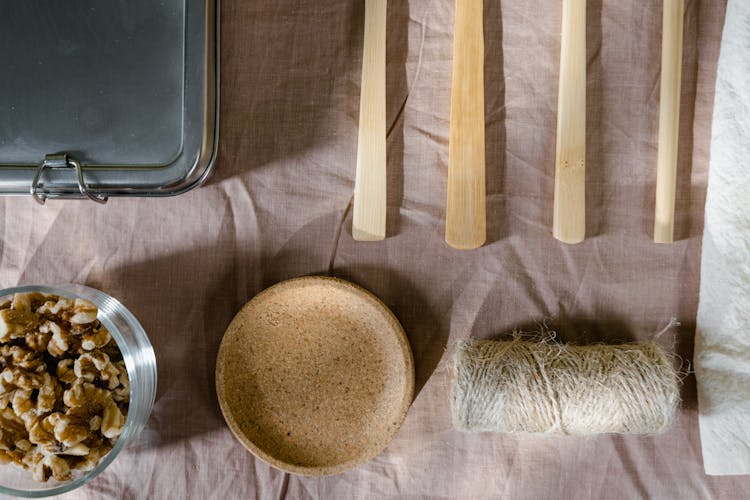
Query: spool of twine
<point x="520" y="386"/>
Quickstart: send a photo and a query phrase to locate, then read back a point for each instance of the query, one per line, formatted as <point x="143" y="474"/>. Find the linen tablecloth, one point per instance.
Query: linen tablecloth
<point x="276" y="207"/>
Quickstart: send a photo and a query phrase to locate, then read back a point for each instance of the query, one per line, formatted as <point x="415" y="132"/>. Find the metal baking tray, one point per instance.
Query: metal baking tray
<point x="103" y="98"/>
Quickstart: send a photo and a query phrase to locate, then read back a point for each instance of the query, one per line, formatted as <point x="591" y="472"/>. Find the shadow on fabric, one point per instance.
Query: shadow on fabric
<point x="282" y="69"/>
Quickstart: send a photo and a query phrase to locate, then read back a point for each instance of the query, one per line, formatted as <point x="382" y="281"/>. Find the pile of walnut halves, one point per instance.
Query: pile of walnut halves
<point x="64" y="389"/>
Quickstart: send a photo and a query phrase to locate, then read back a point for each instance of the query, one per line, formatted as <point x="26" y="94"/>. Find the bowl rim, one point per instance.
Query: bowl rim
<point x="130" y="430"/>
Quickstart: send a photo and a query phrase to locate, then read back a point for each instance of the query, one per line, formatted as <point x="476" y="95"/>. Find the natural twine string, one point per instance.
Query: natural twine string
<point x="519" y="386"/>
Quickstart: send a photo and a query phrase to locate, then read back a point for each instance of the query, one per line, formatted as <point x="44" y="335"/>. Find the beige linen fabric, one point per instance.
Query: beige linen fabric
<point x="290" y="96"/>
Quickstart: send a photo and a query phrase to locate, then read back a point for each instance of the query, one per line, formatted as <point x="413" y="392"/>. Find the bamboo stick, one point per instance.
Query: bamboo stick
<point x="368" y="220"/>
<point x="569" y="216"/>
<point x="465" y="219"/>
<point x="669" y="120"/>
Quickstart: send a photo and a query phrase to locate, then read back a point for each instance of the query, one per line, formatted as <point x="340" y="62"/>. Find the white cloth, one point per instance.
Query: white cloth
<point x="722" y="349"/>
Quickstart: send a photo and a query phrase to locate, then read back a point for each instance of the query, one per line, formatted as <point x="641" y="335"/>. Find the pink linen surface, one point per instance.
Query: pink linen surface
<point x="273" y="209"/>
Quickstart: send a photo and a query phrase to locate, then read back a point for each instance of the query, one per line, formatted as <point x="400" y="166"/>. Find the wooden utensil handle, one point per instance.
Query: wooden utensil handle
<point x="368" y="221"/>
<point x="465" y="218"/>
<point x="669" y="120"/>
<point x="569" y="217"/>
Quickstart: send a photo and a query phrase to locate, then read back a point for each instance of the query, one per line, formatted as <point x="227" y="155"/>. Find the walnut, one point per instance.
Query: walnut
<point x="18" y="319"/>
<point x="24" y="358"/>
<point x="79" y="450"/>
<point x="18" y="378"/>
<point x="65" y="372"/>
<point x="38" y="341"/>
<point x="16" y="456"/>
<point x="95" y="339"/>
<point x="9" y="419"/>
<point x="60" y="340"/>
<point x="58" y="307"/>
<point x="68" y="431"/>
<point x="29" y="405"/>
<point x="22" y="404"/>
<point x="15" y="323"/>
<point x="64" y="388"/>
<point x="86" y="367"/>
<point x="60" y="468"/>
<point x="111" y="375"/>
<point x="42" y="432"/>
<point x="12" y="429"/>
<point x="75" y="396"/>
<point x="121" y="393"/>
<point x="49" y="394"/>
<point x="112" y="421"/>
<point x="33" y="461"/>
<point x="27" y="301"/>
<point x="84" y="312"/>
<point x="6" y="355"/>
<point x="97" y="449"/>
<point x="96" y="365"/>
<point x="84" y="394"/>
<point x="51" y="465"/>
<point x="81" y="413"/>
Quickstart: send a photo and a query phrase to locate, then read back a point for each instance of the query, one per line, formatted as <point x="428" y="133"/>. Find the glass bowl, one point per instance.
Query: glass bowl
<point x="140" y="362"/>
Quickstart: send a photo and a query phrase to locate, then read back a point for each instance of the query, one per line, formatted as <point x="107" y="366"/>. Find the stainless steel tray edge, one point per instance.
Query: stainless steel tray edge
<point x="190" y="168"/>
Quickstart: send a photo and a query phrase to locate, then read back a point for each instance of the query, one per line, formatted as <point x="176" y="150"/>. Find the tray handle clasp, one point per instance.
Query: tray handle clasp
<point x="62" y="160"/>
